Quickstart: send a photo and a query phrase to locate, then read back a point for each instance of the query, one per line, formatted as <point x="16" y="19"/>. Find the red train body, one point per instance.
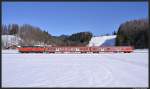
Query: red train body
<point x="30" y="49"/>
<point x="38" y="49"/>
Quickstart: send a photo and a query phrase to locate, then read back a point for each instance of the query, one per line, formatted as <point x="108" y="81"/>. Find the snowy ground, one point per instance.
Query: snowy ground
<point x="75" y="70"/>
<point x="10" y="40"/>
<point x="102" y="41"/>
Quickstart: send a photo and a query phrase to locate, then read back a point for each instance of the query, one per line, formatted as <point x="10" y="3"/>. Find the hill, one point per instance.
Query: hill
<point x="102" y="41"/>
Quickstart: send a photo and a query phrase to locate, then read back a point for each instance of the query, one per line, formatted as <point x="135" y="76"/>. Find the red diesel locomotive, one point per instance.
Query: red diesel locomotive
<point x="40" y="49"/>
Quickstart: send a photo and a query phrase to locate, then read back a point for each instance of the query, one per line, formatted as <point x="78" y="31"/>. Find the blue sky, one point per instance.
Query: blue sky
<point x="70" y="17"/>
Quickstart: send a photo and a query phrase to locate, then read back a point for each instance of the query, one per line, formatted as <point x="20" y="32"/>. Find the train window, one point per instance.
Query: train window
<point x="108" y="48"/>
<point x="77" y="49"/>
<point x="24" y="46"/>
<point x="94" y="48"/>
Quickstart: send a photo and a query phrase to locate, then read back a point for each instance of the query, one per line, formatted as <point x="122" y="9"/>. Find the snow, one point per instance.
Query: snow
<point x="9" y="51"/>
<point x="103" y="41"/>
<point x="10" y="39"/>
<point x="140" y="50"/>
<point x="74" y="70"/>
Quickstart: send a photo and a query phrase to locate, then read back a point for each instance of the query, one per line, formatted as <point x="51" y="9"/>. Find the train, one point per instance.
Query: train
<point x="74" y="49"/>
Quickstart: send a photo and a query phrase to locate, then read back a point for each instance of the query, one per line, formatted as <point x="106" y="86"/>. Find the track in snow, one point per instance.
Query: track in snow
<point x="75" y="70"/>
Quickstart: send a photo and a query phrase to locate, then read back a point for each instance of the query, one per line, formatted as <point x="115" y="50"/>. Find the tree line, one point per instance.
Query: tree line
<point x="133" y="33"/>
<point x="29" y="34"/>
<point x="36" y="36"/>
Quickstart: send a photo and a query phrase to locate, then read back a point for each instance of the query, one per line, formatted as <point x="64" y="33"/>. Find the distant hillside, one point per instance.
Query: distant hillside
<point x="29" y="34"/>
<point x="32" y="35"/>
<point x="8" y="40"/>
<point x="131" y="33"/>
<point x="102" y="41"/>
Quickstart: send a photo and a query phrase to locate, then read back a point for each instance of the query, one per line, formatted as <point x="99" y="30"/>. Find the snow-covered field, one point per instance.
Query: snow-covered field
<point x="75" y="70"/>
